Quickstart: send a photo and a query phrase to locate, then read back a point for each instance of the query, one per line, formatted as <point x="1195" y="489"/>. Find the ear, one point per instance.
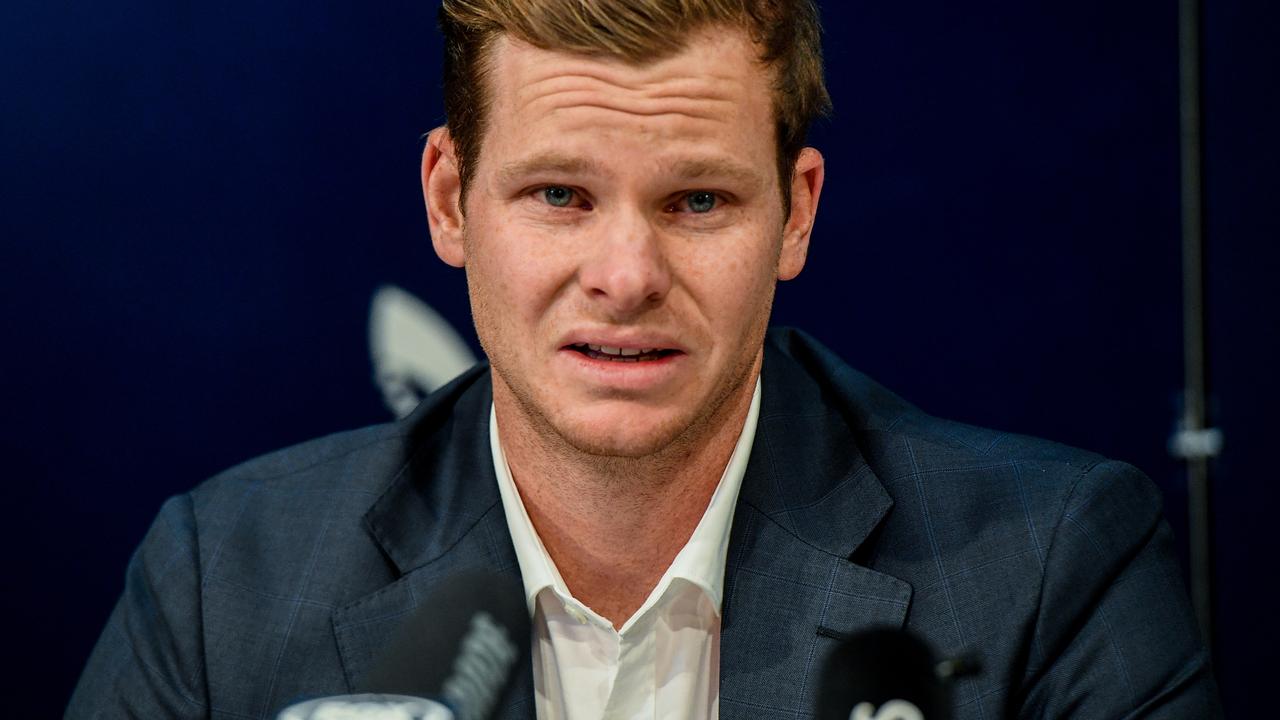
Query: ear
<point x="442" y="191"/>
<point x="806" y="187"/>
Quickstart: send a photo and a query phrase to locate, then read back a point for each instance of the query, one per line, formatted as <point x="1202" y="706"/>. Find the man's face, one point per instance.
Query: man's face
<point x="623" y="234"/>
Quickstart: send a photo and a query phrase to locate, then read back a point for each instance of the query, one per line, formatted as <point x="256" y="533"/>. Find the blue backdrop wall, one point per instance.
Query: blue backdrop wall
<point x="198" y="201"/>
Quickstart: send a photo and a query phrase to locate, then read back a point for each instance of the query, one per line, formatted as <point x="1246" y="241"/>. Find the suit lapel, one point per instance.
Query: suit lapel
<point x="440" y="515"/>
<point x="808" y="502"/>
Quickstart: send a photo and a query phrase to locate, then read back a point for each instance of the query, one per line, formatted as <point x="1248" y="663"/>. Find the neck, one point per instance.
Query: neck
<point x="613" y="525"/>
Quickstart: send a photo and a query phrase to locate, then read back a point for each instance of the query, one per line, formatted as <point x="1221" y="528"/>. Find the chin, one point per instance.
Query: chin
<point x="620" y="436"/>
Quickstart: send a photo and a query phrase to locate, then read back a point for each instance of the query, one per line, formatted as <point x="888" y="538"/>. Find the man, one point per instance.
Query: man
<point x="698" y="511"/>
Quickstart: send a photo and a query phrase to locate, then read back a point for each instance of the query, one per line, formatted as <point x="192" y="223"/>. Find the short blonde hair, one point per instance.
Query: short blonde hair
<point x="787" y="32"/>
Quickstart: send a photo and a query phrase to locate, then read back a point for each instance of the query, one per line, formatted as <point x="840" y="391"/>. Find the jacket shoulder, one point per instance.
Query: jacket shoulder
<point x="353" y="461"/>
<point x="360" y="462"/>
<point x="261" y="523"/>
<point x="908" y="449"/>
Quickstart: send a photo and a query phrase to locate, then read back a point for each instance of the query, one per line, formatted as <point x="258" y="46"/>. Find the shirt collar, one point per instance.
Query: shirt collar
<point x="700" y="562"/>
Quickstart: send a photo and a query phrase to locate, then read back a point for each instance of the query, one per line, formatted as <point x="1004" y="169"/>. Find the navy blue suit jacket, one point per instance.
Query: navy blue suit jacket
<point x="280" y="579"/>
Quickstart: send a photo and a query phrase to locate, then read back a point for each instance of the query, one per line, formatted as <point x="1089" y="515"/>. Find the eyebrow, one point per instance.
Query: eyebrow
<point x="561" y="164"/>
<point x="550" y="163"/>
<point x="716" y="168"/>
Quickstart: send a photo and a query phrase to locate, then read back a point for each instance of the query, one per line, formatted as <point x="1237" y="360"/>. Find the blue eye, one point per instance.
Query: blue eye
<point x="558" y="196"/>
<point x="701" y="202"/>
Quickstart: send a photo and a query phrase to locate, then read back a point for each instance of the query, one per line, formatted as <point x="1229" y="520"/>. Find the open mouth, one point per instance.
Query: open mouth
<point x="621" y="354"/>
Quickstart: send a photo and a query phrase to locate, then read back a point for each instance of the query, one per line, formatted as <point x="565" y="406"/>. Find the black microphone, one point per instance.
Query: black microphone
<point x="887" y="674"/>
<point x="451" y="659"/>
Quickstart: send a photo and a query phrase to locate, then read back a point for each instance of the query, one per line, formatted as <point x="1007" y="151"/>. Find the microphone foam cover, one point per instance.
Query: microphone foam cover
<point x="461" y="644"/>
<point x="878" y="667"/>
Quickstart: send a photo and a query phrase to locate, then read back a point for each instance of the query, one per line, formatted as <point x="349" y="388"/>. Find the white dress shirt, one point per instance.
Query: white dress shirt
<point x="665" y="661"/>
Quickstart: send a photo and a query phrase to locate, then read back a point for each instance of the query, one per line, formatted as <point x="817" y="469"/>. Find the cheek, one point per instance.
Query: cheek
<point x="514" y="276"/>
<point x="730" y="278"/>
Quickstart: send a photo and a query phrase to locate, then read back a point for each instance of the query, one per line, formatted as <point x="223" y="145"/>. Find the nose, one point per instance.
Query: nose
<point x="627" y="271"/>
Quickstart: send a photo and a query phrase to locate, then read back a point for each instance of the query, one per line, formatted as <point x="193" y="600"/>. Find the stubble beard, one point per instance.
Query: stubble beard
<point x="663" y="452"/>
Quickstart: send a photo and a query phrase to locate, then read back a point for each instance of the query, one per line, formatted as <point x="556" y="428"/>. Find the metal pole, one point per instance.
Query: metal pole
<point x="1195" y="442"/>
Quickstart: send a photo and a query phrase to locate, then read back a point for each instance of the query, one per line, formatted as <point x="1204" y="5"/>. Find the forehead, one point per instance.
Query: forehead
<point x="706" y="105"/>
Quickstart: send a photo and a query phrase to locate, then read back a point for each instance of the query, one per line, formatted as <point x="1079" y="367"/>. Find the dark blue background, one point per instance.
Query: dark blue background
<point x="197" y="202"/>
